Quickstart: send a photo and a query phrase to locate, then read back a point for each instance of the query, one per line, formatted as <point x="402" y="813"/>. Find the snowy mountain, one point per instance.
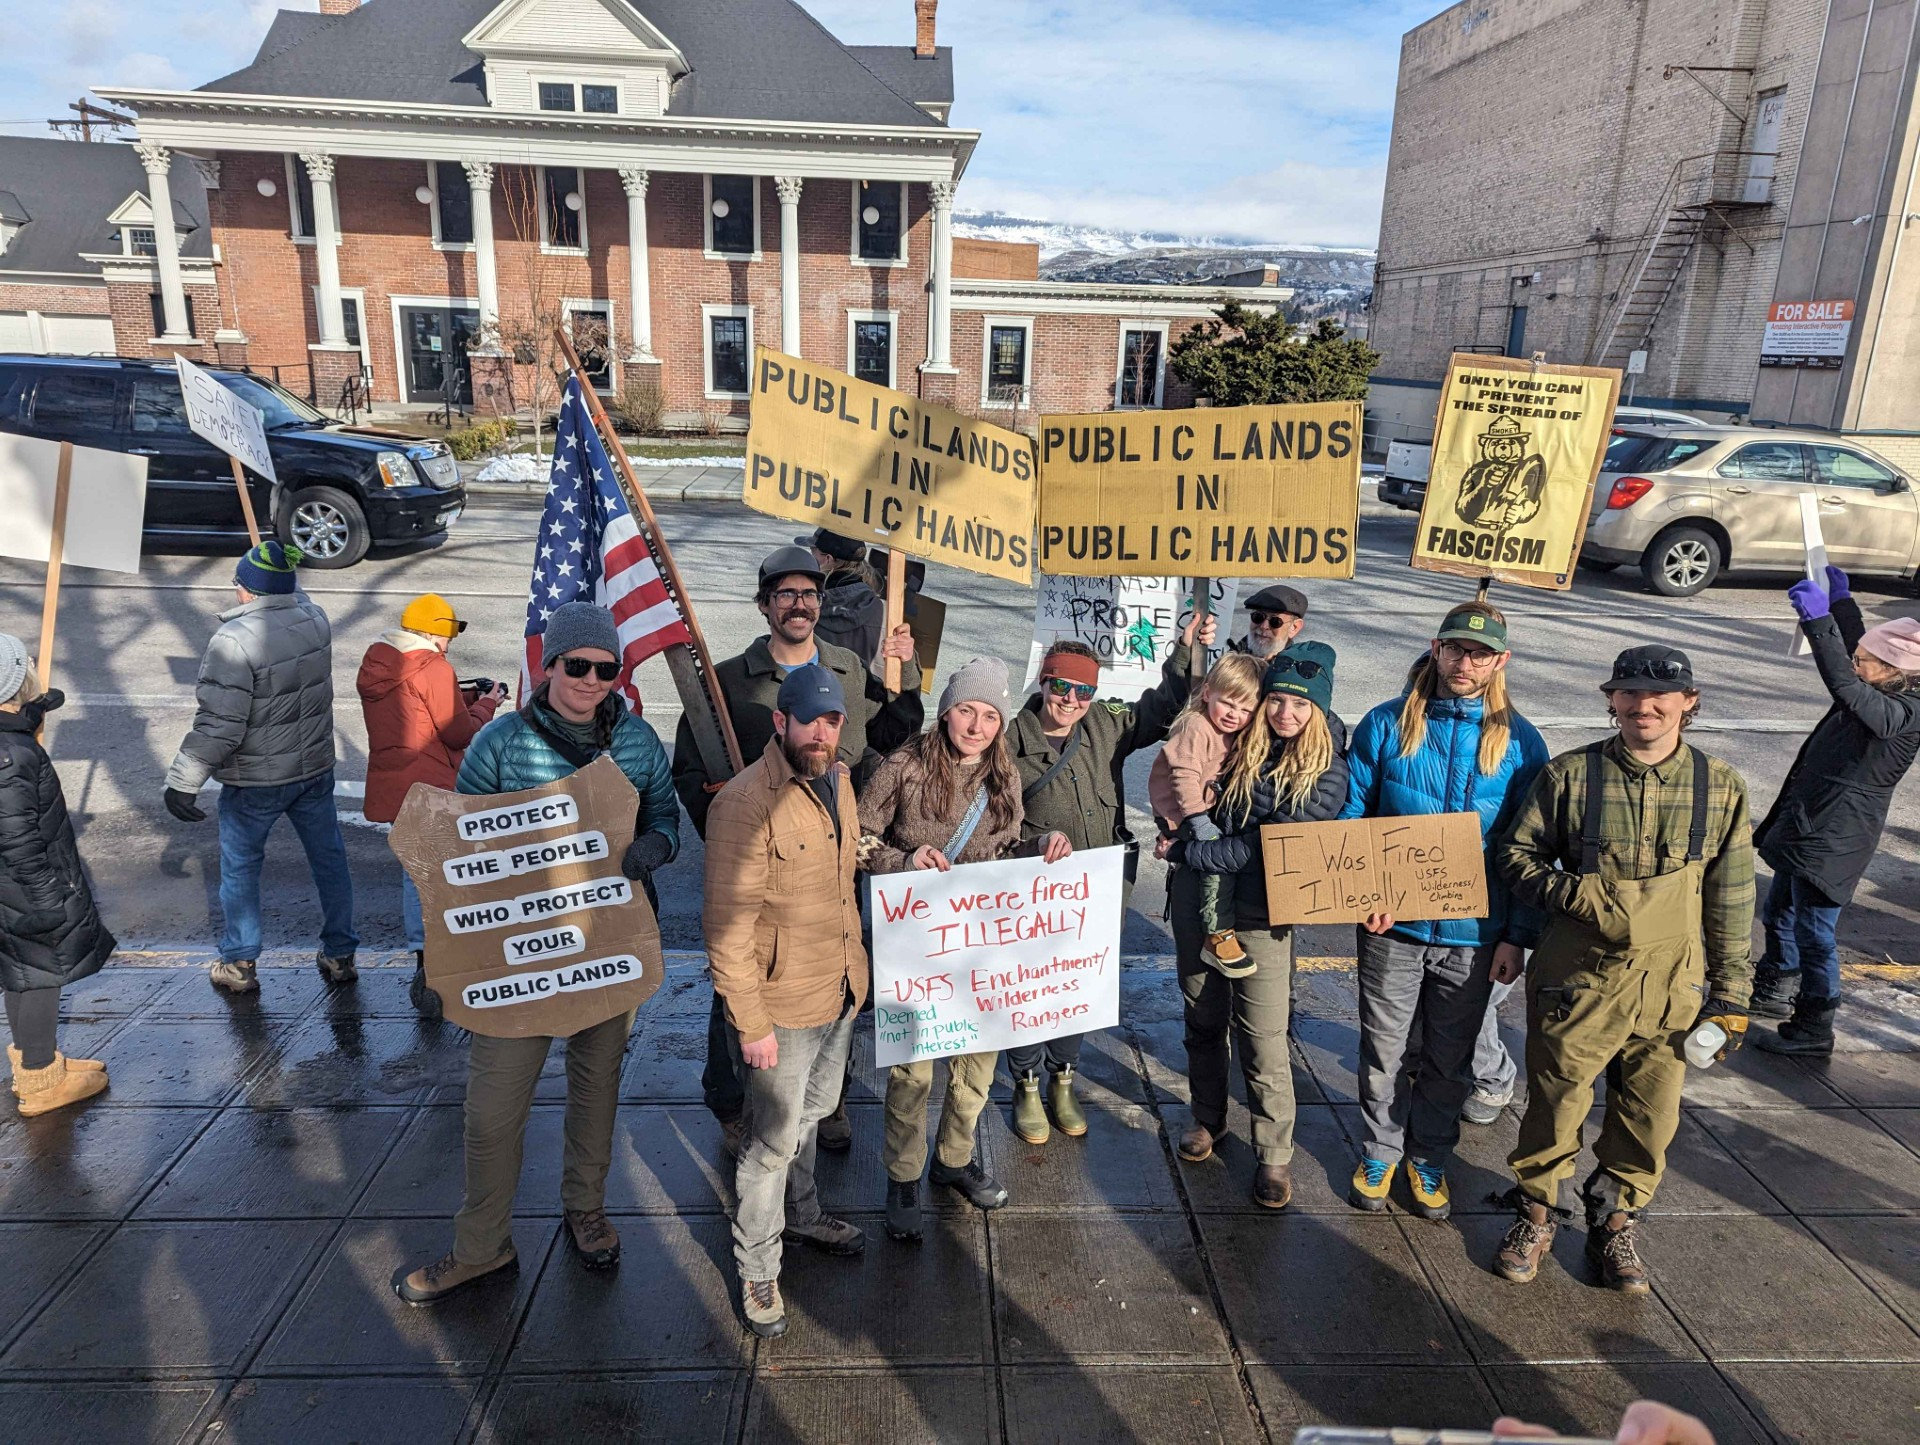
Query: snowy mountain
<point x="1071" y="252"/>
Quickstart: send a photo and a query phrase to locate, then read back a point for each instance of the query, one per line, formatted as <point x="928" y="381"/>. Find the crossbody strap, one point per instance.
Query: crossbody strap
<point x="1071" y="747"/>
<point x="962" y="835"/>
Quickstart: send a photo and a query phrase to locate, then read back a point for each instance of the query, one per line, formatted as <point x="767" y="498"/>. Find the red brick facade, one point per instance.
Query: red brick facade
<point x="59" y="300"/>
<point x="1073" y="360"/>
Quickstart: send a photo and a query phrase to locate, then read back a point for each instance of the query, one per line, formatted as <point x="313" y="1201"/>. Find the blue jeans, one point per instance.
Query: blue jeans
<point x="1800" y="922"/>
<point x="247" y="816"/>
<point x="411" y="918"/>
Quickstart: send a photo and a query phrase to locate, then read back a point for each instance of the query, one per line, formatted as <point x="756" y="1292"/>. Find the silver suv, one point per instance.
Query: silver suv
<point x="1688" y="503"/>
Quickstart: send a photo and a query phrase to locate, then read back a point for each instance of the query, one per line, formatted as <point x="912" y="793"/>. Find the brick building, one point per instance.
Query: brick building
<point x="396" y="190"/>
<point x="1592" y="179"/>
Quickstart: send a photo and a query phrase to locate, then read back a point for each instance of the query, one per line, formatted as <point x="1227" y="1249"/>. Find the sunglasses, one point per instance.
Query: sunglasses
<point x="1065" y="687"/>
<point x="581" y="666"/>
<point x="1659" y="669"/>
<point x="1266" y="619"/>
<point x="1301" y="666"/>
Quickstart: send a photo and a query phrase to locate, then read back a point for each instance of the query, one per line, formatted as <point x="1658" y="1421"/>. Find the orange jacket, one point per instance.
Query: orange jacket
<point x="418" y="721"/>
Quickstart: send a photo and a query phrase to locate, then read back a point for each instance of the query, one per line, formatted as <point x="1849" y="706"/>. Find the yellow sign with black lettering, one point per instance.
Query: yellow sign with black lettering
<point x="1245" y="491"/>
<point x="888" y="469"/>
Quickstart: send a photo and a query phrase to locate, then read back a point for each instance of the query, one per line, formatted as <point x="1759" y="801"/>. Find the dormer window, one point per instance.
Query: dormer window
<point x="139" y="241"/>
<point x="568" y="95"/>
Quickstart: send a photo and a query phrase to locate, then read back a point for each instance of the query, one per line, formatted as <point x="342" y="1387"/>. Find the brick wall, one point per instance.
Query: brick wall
<point x="131" y="305"/>
<point x="1073" y="361"/>
<point x="56" y="300"/>
<point x="996" y="260"/>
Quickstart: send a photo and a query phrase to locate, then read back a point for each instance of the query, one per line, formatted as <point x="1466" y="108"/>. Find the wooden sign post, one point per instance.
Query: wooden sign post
<point x="896" y="610"/>
<point x="246" y="499"/>
<point x="56" y="549"/>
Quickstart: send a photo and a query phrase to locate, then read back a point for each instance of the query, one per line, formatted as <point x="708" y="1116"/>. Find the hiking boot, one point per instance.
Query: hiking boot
<point x="1029" y="1113"/>
<point x="431" y="1283"/>
<point x="1484" y="1108"/>
<point x="766" y="1312"/>
<point x="593" y="1238"/>
<point x="1372" y="1181"/>
<point x="1196" y="1145"/>
<point x="974" y="1184"/>
<point x="336" y="971"/>
<point x="828" y="1235"/>
<point x="1428" y="1184"/>
<point x="41" y="1091"/>
<point x="1614" y="1249"/>
<point x="235" y="977"/>
<point x="425" y="1001"/>
<point x="1273" y="1186"/>
<point x="835" y="1133"/>
<point x="903" y="1210"/>
<point x="1066" y="1108"/>
<point x="1773" y="994"/>
<point x="733" y="1136"/>
<point x="1526" y="1243"/>
<point x="74" y="1066"/>
<point x="1809" y="1031"/>
<point x="1223" y="953"/>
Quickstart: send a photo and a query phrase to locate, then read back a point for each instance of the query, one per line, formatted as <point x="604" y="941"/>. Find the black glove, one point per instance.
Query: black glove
<point x="182" y="806"/>
<point x="1730" y="1016"/>
<point x="644" y="854"/>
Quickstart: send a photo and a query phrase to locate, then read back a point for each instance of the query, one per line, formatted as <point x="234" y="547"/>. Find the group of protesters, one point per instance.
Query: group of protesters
<point x="1620" y="884"/>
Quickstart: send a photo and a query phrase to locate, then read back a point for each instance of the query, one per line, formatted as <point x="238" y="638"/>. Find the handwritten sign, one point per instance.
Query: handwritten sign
<point x="1416" y="867"/>
<point x="989" y="955"/>
<point x="237" y="427"/>
<point x="1131" y="623"/>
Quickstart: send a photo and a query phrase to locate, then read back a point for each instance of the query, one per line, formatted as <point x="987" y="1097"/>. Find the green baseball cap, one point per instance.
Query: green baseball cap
<point x="1468" y="623"/>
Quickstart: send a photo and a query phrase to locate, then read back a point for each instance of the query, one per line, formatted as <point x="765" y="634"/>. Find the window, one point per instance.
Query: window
<point x="1767" y="462"/>
<point x="300" y="198"/>
<point x="600" y="99"/>
<point x="568" y="95"/>
<point x="158" y="407"/>
<point x="882" y="239"/>
<point x="142" y="242"/>
<point x="870" y="346"/>
<point x="1841" y="468"/>
<point x="556" y="95"/>
<point x="452" y="204"/>
<point x="733" y="221"/>
<point x="729" y="342"/>
<point x="74" y="401"/>
<point x="564" y="228"/>
<point x="1140" y="353"/>
<point x="590" y="323"/>
<point x="158" y="307"/>
<point x="1004" y="377"/>
<point x="1650" y="454"/>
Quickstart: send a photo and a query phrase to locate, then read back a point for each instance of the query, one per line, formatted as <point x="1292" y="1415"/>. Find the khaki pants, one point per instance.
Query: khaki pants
<point x="969" y="1077"/>
<point x="501" y="1077"/>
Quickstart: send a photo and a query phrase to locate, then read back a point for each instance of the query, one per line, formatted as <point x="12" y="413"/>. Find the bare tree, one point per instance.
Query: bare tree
<point x="526" y="332"/>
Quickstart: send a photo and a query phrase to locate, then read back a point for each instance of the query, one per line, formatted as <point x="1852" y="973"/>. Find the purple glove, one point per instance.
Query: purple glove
<point x="1837" y="585"/>
<point x="1808" y="600"/>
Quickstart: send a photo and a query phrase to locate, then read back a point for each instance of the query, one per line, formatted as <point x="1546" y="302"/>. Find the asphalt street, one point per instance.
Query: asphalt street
<point x="128" y="649"/>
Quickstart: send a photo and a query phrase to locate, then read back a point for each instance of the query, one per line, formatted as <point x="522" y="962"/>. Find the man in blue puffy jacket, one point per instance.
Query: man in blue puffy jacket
<point x="1452" y="744"/>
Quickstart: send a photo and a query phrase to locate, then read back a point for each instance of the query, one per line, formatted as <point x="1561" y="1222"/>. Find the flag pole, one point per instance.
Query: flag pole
<point x="691" y="665"/>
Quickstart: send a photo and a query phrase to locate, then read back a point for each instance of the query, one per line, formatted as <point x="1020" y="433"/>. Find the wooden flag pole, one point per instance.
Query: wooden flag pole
<point x="56" y="548"/>
<point x="1202" y="609"/>
<point x="692" y="667"/>
<point x="246" y="498"/>
<point x="896" y="611"/>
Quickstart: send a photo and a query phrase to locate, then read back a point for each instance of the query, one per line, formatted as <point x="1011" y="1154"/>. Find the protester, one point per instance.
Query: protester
<point x="50" y="931"/>
<point x="419" y="722"/>
<point x="1452" y="744"/>
<point x="264" y="729"/>
<point x="852" y="613"/>
<point x="1286" y="768"/>
<point x="1072" y="759"/>
<point x="949" y="796"/>
<point x="1639" y="852"/>
<point x="572" y="718"/>
<point x="1275" y="616"/>
<point x="782" y="845"/>
<point x="789" y="597"/>
<point x="1824" y="827"/>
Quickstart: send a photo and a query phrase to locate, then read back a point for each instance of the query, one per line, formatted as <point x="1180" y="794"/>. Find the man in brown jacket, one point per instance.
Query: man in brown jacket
<point x="782" y="924"/>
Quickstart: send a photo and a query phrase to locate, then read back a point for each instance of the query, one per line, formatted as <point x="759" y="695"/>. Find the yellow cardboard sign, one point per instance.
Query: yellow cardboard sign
<point x="1426" y="866"/>
<point x="1516" y="451"/>
<point x="875" y="464"/>
<point x="1245" y="491"/>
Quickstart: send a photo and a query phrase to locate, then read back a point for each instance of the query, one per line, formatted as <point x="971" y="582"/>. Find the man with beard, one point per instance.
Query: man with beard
<point x="782" y="844"/>
<point x="1275" y="616"/>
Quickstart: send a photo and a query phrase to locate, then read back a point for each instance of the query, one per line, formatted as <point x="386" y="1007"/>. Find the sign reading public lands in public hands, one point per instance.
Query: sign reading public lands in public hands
<point x="531" y="926"/>
<point x="885" y="468"/>
<point x="1516" y="451"/>
<point x="1246" y="491"/>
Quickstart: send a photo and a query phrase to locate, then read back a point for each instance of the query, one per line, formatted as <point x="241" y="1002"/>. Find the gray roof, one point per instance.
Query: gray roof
<point x="927" y="80"/>
<point x="750" y="59"/>
<point x="69" y="188"/>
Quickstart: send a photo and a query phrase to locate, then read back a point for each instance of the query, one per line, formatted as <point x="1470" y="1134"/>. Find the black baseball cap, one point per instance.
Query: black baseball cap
<point x="791" y="562"/>
<point x="841" y="549"/>
<point x="1278" y="598"/>
<point x="1651" y="668"/>
<point x="1469" y="623"/>
<point x="810" y="692"/>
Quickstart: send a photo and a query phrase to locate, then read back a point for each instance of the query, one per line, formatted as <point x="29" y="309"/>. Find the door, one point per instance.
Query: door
<point x="1517" y="332"/>
<point x="1758" y="503"/>
<point x="436" y="341"/>
<point x="1868" y="514"/>
<point x="1764" y="149"/>
<point x="189" y="480"/>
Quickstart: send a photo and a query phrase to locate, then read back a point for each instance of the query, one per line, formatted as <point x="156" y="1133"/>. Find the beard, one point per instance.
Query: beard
<point x="809" y="760"/>
<point x="1263" y="647"/>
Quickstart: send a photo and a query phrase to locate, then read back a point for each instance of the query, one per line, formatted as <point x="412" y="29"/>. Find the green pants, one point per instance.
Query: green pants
<point x="501" y="1077"/>
<point x="969" y="1077"/>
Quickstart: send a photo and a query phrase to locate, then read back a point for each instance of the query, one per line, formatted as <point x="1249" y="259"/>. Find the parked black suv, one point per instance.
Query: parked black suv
<point x="342" y="488"/>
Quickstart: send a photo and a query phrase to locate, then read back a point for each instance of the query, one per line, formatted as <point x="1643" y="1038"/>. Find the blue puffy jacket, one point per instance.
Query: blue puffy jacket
<point x="1444" y="777"/>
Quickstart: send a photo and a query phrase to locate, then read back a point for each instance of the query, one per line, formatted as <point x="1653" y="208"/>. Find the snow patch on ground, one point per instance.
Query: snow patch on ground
<point x="524" y="467"/>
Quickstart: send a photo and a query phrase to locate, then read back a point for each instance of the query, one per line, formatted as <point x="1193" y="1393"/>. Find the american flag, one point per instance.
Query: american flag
<point x="590" y="549"/>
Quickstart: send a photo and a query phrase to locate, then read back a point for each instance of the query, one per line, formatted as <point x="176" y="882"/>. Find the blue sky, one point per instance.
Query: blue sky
<point x="1263" y="119"/>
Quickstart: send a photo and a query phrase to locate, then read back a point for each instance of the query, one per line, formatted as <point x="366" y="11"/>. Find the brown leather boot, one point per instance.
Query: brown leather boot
<point x="1527" y="1243"/>
<point x="1614" y="1248"/>
<point x="1196" y="1145"/>
<point x="431" y="1283"/>
<point x="1273" y="1186"/>
<point x="593" y="1238"/>
<point x="41" y="1091"/>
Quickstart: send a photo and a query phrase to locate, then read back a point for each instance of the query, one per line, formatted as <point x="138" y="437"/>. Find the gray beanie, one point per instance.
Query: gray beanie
<point x="982" y="680"/>
<point x="576" y="625"/>
<point x="13" y="665"/>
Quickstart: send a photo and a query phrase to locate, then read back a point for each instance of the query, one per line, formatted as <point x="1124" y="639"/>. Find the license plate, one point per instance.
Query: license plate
<point x="448" y="517"/>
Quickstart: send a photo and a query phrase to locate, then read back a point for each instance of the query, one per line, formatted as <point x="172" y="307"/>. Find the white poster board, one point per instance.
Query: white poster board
<point x="237" y="427"/>
<point x="989" y="955"/>
<point x="1131" y="623"/>
<point x="1816" y="544"/>
<point x="107" y="501"/>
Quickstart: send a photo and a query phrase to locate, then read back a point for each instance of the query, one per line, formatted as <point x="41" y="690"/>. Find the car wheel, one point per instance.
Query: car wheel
<point x="1681" y="562"/>
<point x="327" y="525"/>
<point x="1593" y="564"/>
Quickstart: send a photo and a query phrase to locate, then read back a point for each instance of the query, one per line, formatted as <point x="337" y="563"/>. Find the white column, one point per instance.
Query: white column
<point x="788" y="188"/>
<point x="639" y="286"/>
<point x="326" y="250"/>
<point x="166" y="244"/>
<point x="485" y="279"/>
<point x="940" y="331"/>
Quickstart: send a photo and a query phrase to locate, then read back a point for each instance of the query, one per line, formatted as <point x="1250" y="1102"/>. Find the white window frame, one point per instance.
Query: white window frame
<point x="706" y="222"/>
<point x="853" y="247"/>
<point x="1120" y="366"/>
<point x="987" y="325"/>
<point x="358" y="295"/>
<point x="571" y="304"/>
<point x="127" y="242"/>
<point x="293" y="207"/>
<point x="892" y="318"/>
<point x="535" y="80"/>
<point x="708" y="311"/>
<point x="395" y="304"/>
<point x="433" y="212"/>
<point x="547" y="248"/>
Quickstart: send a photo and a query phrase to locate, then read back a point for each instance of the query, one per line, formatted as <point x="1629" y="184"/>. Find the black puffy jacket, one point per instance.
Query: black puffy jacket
<point x="50" y="931"/>
<point x="1238" y="850"/>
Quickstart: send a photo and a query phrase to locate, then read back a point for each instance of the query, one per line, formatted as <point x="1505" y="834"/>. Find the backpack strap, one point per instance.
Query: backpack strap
<point x="1590" y="822"/>
<point x="1697" y="831"/>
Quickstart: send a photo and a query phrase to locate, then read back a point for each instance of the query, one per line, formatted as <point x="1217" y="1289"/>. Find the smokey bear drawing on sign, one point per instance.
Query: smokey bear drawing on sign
<point x="1503" y="488"/>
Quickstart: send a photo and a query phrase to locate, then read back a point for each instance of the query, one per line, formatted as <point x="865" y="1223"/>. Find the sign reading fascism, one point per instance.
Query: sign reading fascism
<point x="1516" y="450"/>
<point x="1248" y="491"/>
<point x="875" y="464"/>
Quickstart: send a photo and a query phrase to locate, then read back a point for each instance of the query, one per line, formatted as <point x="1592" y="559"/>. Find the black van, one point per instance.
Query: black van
<point x="342" y="488"/>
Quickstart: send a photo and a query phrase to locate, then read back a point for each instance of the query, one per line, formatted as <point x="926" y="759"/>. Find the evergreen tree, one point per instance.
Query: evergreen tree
<point x="1246" y="358"/>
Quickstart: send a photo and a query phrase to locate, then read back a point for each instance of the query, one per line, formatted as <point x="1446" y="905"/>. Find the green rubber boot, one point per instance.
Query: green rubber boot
<point x="1066" y="1108"/>
<point x="1029" y="1114"/>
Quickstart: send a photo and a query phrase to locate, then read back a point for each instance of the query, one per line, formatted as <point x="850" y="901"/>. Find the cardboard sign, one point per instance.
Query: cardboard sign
<point x="989" y="955"/>
<point x="872" y="463"/>
<point x="531" y="927"/>
<point x="237" y="427"/>
<point x="1131" y="623"/>
<point x="1247" y="491"/>
<point x="107" y="499"/>
<point x="1417" y="867"/>
<point x="1807" y="333"/>
<point x="1516" y="451"/>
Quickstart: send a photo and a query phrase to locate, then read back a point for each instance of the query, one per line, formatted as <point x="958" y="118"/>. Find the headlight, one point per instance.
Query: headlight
<point x="396" y="470"/>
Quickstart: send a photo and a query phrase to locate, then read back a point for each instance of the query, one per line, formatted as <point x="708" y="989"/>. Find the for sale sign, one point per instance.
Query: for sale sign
<point x="1807" y="333"/>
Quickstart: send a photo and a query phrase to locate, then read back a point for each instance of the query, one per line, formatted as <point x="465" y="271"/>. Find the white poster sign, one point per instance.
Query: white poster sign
<point x="1131" y="623"/>
<point x="106" y="500"/>
<point x="1815" y="542"/>
<point x="1807" y="333"/>
<point x="989" y="955"/>
<point x="237" y="427"/>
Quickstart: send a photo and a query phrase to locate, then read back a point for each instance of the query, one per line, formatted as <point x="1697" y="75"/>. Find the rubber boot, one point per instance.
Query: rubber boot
<point x="1809" y="1031"/>
<point x="425" y="1001"/>
<point x="1066" y="1108"/>
<point x="1773" y="993"/>
<point x="43" y="1090"/>
<point x="1029" y="1111"/>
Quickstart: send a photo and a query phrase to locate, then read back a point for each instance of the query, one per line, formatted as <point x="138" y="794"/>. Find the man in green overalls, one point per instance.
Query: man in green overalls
<point x="1639" y="850"/>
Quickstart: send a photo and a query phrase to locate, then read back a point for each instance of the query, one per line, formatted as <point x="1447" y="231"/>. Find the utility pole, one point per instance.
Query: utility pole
<point x="90" y="116"/>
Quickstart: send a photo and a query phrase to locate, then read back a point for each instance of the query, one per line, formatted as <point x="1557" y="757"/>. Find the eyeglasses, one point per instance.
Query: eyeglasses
<point x="1459" y="652"/>
<point x="1659" y="669"/>
<point x="1301" y="666"/>
<point x="1065" y="687"/>
<point x="793" y="597"/>
<point x="581" y="666"/>
<point x="1267" y="619"/>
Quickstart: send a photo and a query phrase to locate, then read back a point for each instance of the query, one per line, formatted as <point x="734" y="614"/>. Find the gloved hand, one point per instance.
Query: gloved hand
<point x="1837" y="585"/>
<point x="1201" y="828"/>
<point x="1808" y="600"/>
<point x="644" y="854"/>
<point x="183" y="807"/>
<point x="1730" y="1016"/>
